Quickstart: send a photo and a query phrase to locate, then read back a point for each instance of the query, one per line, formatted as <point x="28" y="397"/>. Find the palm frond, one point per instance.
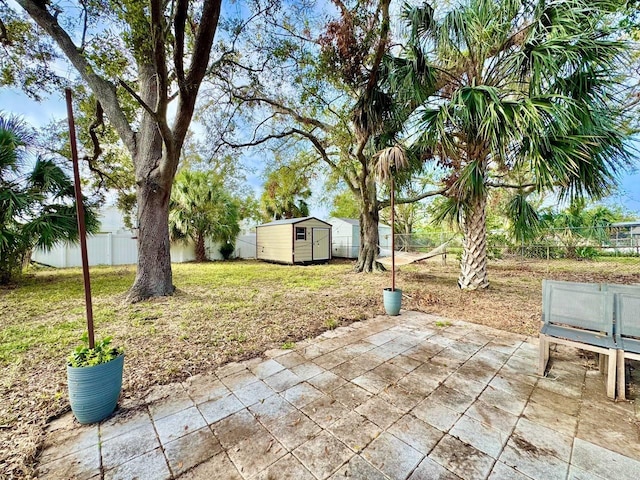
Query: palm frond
<point x="525" y="222"/>
<point x="449" y="211"/>
<point x="48" y="178"/>
<point x="15" y="137"/>
<point x="389" y="161"/>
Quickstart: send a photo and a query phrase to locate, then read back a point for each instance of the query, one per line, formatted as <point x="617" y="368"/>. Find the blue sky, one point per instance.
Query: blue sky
<point x="54" y="108"/>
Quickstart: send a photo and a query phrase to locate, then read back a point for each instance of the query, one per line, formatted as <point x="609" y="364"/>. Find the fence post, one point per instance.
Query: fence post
<point x="110" y="249"/>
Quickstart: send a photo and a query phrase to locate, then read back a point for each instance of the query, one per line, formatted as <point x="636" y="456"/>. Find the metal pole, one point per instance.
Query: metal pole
<point x="82" y="231"/>
<point x="393" y="242"/>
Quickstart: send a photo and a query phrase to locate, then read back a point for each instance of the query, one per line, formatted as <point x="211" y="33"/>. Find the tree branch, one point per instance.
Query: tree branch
<point x="510" y="185"/>
<point x="197" y="69"/>
<point x="260" y="141"/>
<point x="85" y="24"/>
<point x="99" y="121"/>
<point x="417" y="198"/>
<point x="178" y="51"/>
<point x="137" y="98"/>
<point x="285" y="110"/>
<point x="104" y="90"/>
<point x="162" y="74"/>
<point x="4" y="36"/>
<point x="381" y="47"/>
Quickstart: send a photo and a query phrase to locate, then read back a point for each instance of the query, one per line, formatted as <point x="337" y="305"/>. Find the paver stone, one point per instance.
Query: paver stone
<point x="323" y="455"/>
<point x="392" y="456"/>
<point x="464" y="460"/>
<point x="191" y="450"/>
<point x="150" y="465"/>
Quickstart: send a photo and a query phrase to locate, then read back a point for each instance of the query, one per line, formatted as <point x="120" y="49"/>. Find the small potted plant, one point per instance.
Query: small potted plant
<point x="94" y="376"/>
<point x="390" y="160"/>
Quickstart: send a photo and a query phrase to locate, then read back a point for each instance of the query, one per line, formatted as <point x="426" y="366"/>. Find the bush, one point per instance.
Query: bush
<point x="587" y="252"/>
<point x="226" y="250"/>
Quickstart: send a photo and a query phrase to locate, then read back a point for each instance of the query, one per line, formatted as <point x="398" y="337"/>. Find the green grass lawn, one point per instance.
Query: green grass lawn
<point x="223" y="311"/>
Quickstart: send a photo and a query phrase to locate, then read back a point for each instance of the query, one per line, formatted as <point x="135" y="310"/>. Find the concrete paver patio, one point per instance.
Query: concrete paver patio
<point x="407" y="397"/>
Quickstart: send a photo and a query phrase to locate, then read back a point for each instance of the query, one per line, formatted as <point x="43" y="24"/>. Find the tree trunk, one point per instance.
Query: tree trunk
<point x="201" y="255"/>
<point x="369" y="235"/>
<point x="473" y="267"/>
<point x="153" y="278"/>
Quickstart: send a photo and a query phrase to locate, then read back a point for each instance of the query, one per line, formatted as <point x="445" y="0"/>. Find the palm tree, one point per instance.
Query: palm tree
<point x="36" y="205"/>
<point x="201" y="208"/>
<point x="515" y="94"/>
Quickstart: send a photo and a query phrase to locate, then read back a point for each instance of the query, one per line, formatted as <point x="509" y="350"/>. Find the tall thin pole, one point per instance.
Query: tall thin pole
<point x="393" y="241"/>
<point x="82" y="231"/>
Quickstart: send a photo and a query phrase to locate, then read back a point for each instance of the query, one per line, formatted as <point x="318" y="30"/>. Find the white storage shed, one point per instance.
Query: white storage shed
<point x="294" y="240"/>
<point x="345" y="234"/>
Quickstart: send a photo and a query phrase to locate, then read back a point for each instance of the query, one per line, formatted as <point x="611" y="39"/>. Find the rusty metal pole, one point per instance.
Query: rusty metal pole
<point x="393" y="241"/>
<point x="82" y="231"/>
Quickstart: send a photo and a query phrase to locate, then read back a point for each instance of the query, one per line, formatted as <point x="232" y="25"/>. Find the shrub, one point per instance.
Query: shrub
<point x="226" y="250"/>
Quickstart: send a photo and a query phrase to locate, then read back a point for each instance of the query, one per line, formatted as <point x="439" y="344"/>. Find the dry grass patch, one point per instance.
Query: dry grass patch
<point x="221" y="311"/>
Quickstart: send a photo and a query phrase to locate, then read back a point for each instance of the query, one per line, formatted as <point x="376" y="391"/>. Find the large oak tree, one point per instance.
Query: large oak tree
<point x="156" y="53"/>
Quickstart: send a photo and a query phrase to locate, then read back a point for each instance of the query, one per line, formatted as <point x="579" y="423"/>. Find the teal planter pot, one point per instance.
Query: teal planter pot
<point x="392" y="301"/>
<point x="94" y="391"/>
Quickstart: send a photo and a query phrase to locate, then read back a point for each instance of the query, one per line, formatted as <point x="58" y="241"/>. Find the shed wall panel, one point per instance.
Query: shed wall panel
<point x="274" y="243"/>
<point x="303" y="249"/>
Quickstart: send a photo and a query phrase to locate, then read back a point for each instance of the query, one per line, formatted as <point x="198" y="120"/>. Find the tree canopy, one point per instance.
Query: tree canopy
<point x="285" y="194"/>
<point x="314" y="85"/>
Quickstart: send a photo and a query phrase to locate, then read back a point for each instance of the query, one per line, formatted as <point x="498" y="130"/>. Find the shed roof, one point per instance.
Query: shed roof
<point x="291" y="221"/>
<point x="351" y="221"/>
<point x="355" y="222"/>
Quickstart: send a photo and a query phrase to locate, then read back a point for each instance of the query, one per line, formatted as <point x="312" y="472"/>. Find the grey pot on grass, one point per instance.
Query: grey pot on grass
<point x="392" y="301"/>
<point x="94" y="390"/>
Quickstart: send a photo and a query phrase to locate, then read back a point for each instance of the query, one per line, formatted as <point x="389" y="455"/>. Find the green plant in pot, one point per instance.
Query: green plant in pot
<point x="94" y="376"/>
<point x="390" y="160"/>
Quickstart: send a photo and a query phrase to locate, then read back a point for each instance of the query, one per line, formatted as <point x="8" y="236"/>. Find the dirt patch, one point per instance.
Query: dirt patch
<point x="525" y="446"/>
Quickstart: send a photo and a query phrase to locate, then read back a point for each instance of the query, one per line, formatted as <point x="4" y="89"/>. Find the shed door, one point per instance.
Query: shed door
<point x="320" y="237"/>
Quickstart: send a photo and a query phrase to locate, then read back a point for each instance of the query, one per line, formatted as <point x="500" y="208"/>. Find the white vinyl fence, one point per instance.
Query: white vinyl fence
<point x="102" y="248"/>
<point x="122" y="249"/>
<point x="245" y="246"/>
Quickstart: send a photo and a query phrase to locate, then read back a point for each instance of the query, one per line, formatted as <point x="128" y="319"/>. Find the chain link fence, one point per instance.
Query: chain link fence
<point x="611" y="249"/>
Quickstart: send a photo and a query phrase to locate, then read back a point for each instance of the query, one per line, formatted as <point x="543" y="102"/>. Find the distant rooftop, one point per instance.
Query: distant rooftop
<point x="355" y="222"/>
<point x="352" y="221"/>
<point x="634" y="223"/>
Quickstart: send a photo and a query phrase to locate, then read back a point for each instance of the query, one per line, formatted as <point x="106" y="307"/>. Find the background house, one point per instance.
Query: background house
<point x="294" y="240"/>
<point x="625" y="236"/>
<point x="345" y="234"/>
